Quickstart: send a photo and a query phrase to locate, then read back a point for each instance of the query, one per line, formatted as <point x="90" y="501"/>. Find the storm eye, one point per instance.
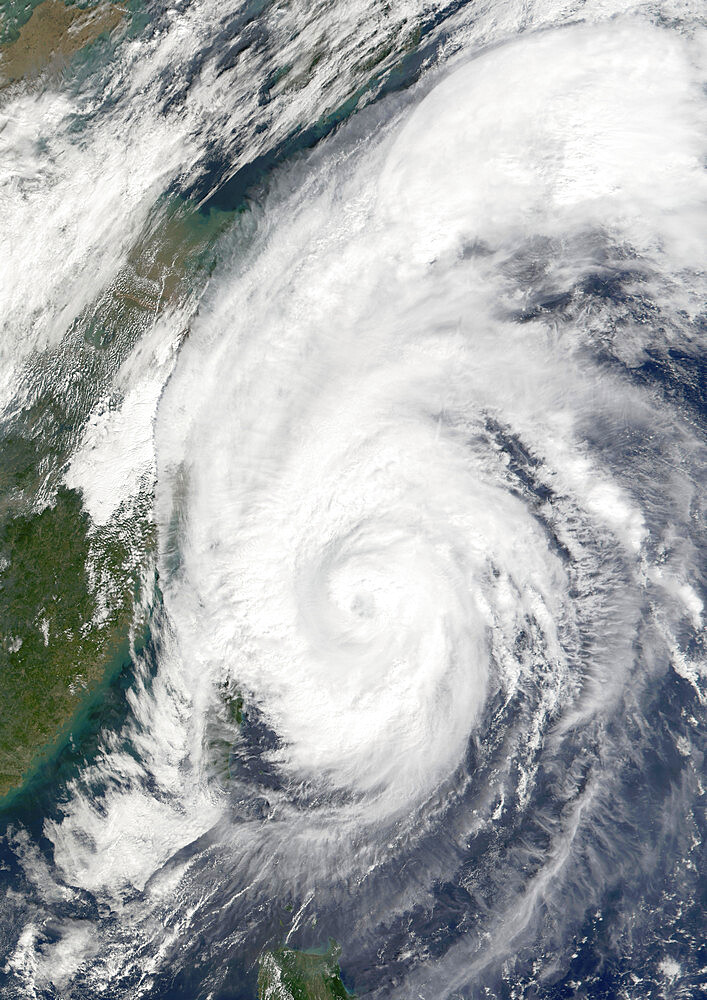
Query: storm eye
<point x="351" y="448"/>
<point x="363" y="605"/>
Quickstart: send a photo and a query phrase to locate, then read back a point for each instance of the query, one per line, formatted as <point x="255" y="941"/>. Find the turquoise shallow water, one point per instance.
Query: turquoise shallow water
<point x="375" y="337"/>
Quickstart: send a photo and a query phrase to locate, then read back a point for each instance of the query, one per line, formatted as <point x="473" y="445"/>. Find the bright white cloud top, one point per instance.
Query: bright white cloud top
<point x="411" y="513"/>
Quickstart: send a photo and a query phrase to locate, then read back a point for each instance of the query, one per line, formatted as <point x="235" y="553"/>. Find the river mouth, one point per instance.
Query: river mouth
<point x="354" y="397"/>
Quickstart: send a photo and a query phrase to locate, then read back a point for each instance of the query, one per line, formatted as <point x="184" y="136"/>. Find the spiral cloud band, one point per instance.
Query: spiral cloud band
<point x="355" y="540"/>
<point x="423" y="511"/>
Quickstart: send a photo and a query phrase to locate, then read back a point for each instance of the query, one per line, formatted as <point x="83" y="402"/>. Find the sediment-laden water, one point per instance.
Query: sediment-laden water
<point x="375" y="337"/>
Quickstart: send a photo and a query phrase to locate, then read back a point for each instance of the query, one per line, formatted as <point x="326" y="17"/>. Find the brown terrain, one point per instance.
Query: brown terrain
<point x="53" y="34"/>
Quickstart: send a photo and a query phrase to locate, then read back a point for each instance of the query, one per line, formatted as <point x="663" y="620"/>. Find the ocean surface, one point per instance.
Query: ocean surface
<point x="375" y="335"/>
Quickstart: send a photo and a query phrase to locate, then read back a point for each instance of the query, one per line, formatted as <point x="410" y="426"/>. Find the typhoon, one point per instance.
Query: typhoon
<point x="353" y="543"/>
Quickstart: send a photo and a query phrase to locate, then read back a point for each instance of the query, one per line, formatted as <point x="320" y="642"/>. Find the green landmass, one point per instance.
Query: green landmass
<point x="287" y="974"/>
<point x="70" y="592"/>
<point x="222" y="731"/>
<point x="67" y="601"/>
